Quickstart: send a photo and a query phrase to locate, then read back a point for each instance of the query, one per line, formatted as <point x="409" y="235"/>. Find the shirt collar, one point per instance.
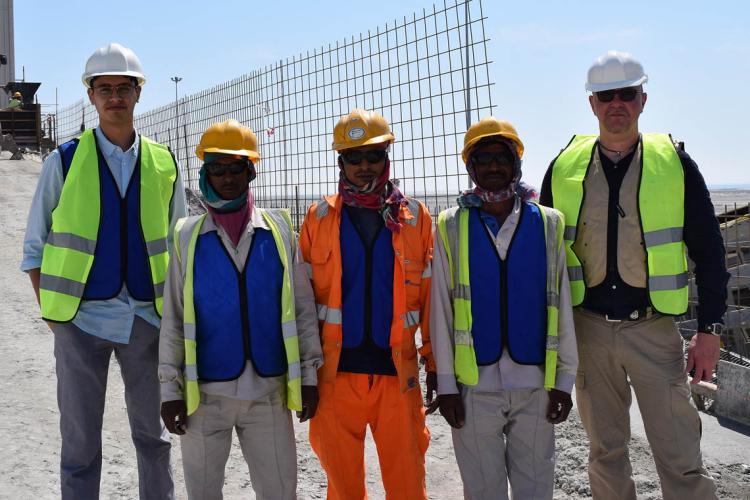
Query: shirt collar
<point x="512" y="216"/>
<point x="108" y="149"/>
<point x="256" y="222"/>
<point x="503" y="234"/>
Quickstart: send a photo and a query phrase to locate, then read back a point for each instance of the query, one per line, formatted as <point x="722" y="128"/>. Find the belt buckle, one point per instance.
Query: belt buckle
<point x="606" y="317"/>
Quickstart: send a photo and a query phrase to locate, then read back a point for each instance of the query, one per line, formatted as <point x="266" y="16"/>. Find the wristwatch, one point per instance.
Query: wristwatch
<point x="715" y="329"/>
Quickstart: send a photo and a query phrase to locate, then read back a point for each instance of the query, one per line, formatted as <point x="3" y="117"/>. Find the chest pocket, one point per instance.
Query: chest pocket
<point x="321" y="263"/>
<point x="413" y="270"/>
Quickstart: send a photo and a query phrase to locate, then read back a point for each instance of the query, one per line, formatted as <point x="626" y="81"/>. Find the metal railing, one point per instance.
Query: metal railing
<point x="735" y="230"/>
<point x="427" y="73"/>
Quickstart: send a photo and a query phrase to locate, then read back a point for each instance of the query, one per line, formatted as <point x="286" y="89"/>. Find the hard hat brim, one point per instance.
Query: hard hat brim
<point x="255" y="157"/>
<point x="86" y="78"/>
<point x="600" y="87"/>
<point x="372" y="140"/>
<point x="468" y="146"/>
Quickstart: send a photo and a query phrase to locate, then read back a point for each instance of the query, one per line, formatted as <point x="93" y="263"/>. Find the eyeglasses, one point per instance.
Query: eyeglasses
<point x="626" y="95"/>
<point x="122" y="91"/>
<point x="219" y="169"/>
<point x="485" y="158"/>
<point x="356" y="157"/>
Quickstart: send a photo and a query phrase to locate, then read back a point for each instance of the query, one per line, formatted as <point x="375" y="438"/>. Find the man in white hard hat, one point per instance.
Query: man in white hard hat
<point x="96" y="252"/>
<point x="633" y="203"/>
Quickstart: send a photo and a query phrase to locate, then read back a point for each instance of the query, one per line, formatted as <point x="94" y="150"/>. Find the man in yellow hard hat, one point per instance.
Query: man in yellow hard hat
<point x="16" y="101"/>
<point x="96" y="250"/>
<point x="501" y="323"/>
<point x="633" y="204"/>
<point x="369" y="248"/>
<point x="239" y="340"/>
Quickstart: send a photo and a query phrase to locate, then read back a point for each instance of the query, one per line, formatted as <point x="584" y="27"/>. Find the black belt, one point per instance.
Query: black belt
<point x="634" y="315"/>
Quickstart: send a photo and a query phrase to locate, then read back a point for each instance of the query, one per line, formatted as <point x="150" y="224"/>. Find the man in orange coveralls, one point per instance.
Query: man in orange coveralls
<point x="370" y="249"/>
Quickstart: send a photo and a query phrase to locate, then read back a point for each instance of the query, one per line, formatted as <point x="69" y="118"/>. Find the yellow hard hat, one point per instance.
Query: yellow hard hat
<point x="17" y="95"/>
<point x="229" y="137"/>
<point x="361" y="128"/>
<point x="487" y="127"/>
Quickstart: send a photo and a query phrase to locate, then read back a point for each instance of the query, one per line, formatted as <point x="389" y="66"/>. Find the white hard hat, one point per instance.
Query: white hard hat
<point x="615" y="70"/>
<point x="113" y="59"/>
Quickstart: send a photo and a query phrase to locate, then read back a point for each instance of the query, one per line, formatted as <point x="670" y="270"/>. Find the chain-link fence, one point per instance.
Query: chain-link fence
<point x="428" y="74"/>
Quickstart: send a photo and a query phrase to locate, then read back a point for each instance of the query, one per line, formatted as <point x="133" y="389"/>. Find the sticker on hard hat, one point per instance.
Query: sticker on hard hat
<point x="356" y="133"/>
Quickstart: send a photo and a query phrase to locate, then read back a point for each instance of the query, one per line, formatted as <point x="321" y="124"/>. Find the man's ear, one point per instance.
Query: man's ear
<point x="591" y="103"/>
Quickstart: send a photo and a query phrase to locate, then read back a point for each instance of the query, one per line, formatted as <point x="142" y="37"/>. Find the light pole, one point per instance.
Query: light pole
<point x="176" y="80"/>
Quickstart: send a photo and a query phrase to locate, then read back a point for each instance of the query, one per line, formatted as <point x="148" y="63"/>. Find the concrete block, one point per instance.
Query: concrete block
<point x="733" y="392"/>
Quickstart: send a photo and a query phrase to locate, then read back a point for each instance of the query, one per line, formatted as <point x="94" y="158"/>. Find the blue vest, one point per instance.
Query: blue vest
<point x="121" y="249"/>
<point x="366" y="286"/>
<point x="238" y="314"/>
<point x="509" y="301"/>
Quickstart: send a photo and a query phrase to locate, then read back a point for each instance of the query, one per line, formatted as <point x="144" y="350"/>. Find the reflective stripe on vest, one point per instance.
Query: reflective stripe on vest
<point x="453" y="228"/>
<point x="661" y="209"/>
<point x="186" y="236"/>
<point x="71" y="245"/>
<point x="334" y="316"/>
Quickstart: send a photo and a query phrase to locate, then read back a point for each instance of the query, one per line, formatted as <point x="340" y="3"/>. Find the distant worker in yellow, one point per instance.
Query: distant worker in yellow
<point x="16" y="101"/>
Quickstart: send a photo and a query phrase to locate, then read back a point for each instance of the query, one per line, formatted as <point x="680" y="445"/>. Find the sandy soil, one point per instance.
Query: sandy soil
<point x="29" y="457"/>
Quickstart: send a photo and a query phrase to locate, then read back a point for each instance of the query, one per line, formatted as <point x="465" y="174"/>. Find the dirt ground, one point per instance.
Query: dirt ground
<point x="29" y="457"/>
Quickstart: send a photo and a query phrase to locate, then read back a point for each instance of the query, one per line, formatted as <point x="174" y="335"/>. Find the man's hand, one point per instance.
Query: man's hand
<point x="35" y="276"/>
<point x="560" y="404"/>
<point x="703" y="354"/>
<point x="174" y="414"/>
<point x="452" y="409"/>
<point x="430" y="393"/>
<point x="310" y="400"/>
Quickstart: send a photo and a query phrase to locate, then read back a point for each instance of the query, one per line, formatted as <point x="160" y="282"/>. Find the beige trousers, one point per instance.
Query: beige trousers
<point x="266" y="434"/>
<point x="646" y="355"/>
<point x="506" y="438"/>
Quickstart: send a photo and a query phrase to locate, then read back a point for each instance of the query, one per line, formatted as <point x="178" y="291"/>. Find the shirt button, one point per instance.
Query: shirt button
<point x="614" y="287"/>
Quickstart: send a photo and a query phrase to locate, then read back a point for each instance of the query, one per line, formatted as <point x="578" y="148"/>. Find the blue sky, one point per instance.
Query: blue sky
<point x="697" y="56"/>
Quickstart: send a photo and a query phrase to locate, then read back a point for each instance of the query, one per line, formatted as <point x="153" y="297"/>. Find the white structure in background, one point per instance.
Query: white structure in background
<point x="7" y="71"/>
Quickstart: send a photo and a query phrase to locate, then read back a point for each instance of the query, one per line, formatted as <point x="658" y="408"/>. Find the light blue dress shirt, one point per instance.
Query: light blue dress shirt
<point x="110" y="319"/>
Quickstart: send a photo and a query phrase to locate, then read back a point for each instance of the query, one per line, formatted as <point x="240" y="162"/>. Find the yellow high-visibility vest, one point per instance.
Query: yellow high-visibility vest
<point x="661" y="206"/>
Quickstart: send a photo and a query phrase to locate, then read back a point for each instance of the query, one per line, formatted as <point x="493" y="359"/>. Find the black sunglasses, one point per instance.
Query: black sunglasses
<point x="356" y="157"/>
<point x="626" y="94"/>
<point x="219" y="169"/>
<point x="485" y="158"/>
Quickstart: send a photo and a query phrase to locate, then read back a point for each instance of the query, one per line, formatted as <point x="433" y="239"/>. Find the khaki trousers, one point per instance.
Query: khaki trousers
<point x="266" y="434"/>
<point x="646" y="355"/>
<point x="506" y="438"/>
